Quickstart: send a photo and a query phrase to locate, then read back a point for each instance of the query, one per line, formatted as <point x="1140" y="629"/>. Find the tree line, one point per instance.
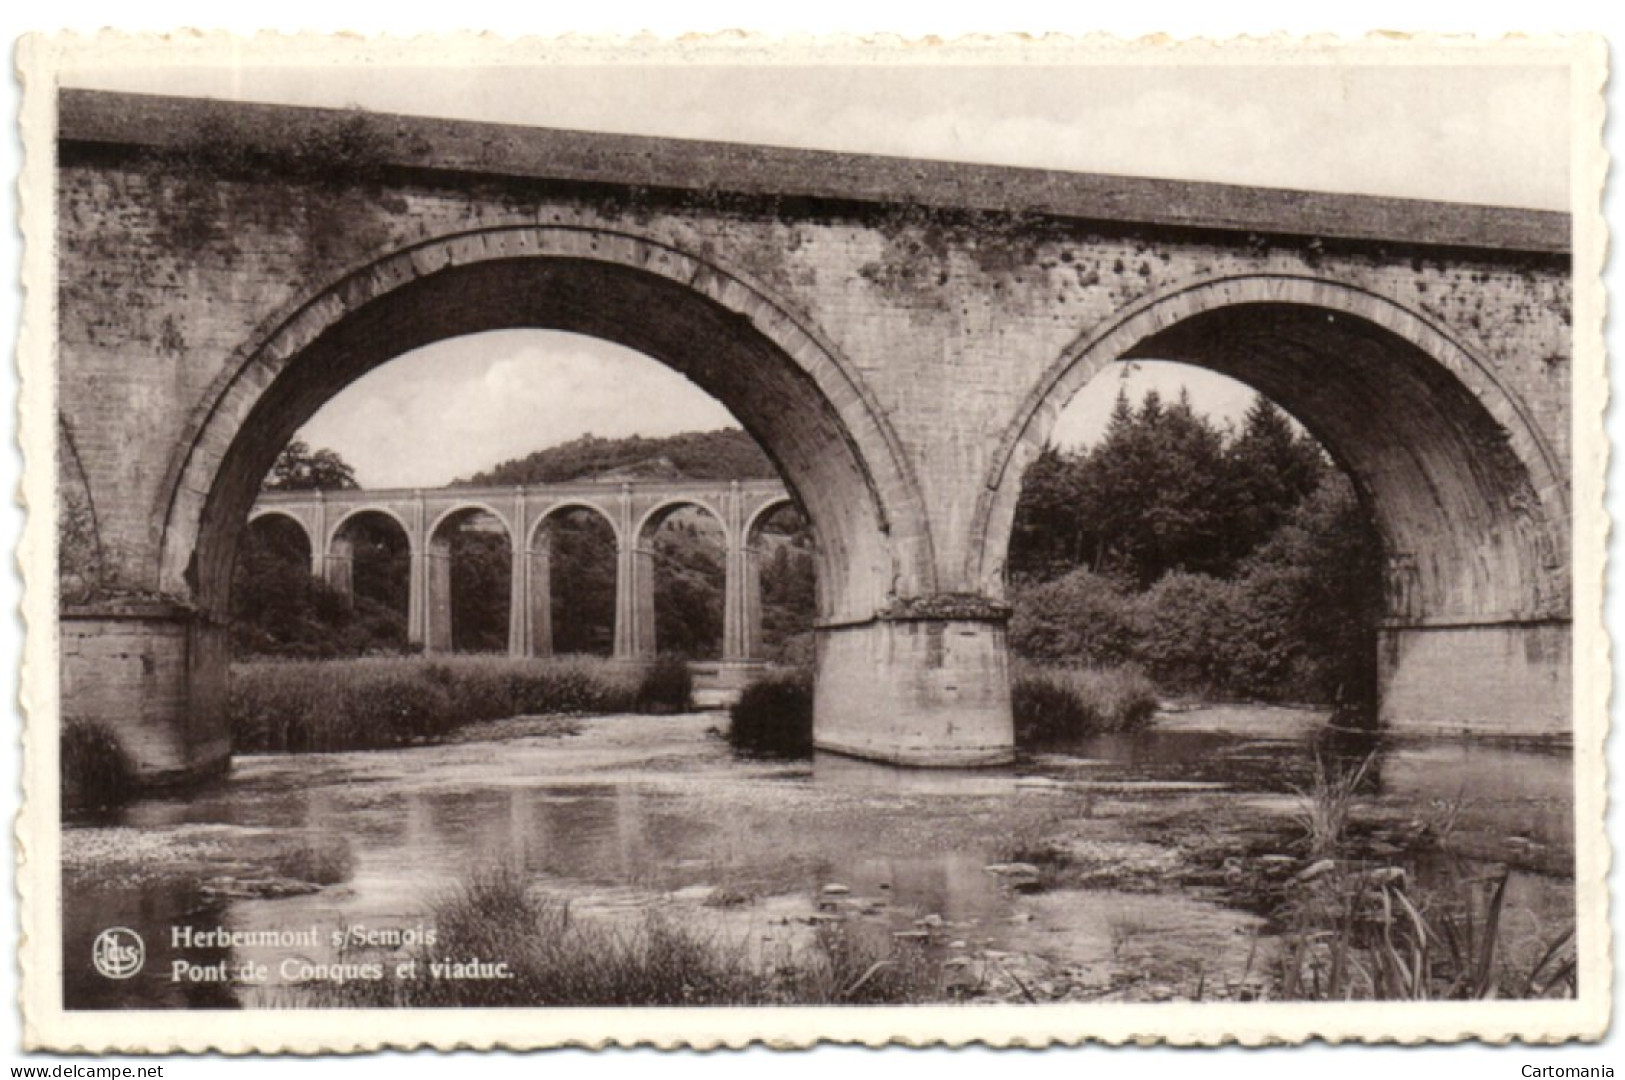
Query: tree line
<point x="1230" y="563"/>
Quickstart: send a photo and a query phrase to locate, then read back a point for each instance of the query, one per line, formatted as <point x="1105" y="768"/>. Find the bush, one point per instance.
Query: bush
<point x="1082" y="618"/>
<point x="1190" y="633"/>
<point x="1054" y="705"/>
<point x="323" y="706"/>
<point x="667" y="686"/>
<point x="774" y="715"/>
<point x="95" y="771"/>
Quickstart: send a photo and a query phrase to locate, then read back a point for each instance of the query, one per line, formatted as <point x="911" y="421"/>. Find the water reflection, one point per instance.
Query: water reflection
<point x="610" y="819"/>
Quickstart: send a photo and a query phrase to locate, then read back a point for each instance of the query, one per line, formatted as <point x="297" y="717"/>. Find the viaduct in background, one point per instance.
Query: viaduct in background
<point x="633" y="511"/>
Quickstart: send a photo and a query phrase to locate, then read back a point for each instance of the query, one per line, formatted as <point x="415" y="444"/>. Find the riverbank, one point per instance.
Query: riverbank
<point x="340" y="705"/>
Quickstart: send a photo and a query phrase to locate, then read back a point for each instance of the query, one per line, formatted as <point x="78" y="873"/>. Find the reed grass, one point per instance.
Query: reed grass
<point x="375" y="703"/>
<point x="1323" y="810"/>
<point x="1376" y="937"/>
<point x="1058" y="704"/>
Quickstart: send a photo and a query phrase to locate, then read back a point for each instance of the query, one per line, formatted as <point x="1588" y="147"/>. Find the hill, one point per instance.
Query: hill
<point x="724" y="454"/>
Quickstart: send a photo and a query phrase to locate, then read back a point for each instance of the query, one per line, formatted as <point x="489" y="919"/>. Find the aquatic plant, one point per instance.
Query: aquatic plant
<point x="373" y="703"/>
<point x="1374" y="935"/>
<point x="550" y="957"/>
<point x="1059" y="704"/>
<point x="774" y="715"/>
<point x="95" y="771"/>
<point x="1323" y="810"/>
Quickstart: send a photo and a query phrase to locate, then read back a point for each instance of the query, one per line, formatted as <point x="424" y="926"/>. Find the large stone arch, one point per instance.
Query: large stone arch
<point x="1468" y="496"/>
<point x="802" y="401"/>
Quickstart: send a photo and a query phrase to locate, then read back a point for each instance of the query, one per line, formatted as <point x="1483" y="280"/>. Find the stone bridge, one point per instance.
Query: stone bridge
<point x="634" y="511"/>
<point x="898" y="335"/>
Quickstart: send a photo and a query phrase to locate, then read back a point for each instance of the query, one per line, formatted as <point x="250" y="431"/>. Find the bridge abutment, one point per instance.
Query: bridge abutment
<point x="153" y="676"/>
<point x="1510" y="678"/>
<point x="916" y="690"/>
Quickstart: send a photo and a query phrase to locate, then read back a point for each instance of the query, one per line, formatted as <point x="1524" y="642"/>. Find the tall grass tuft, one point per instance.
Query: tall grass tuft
<point x="1058" y="704"/>
<point x="554" y="959"/>
<point x="374" y="703"/>
<point x="1323" y="811"/>
<point x="774" y="715"/>
<point x="1372" y="936"/>
<point x="95" y="771"/>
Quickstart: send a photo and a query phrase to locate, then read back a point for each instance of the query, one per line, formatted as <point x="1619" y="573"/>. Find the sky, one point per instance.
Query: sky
<point x="1460" y="132"/>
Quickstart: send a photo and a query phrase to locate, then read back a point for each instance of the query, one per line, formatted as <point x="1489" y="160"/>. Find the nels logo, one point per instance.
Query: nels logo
<point x="118" y="953"/>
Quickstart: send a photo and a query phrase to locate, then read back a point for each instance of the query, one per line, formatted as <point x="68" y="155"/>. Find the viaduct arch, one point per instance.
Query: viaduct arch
<point x="896" y="334"/>
<point x="632" y="510"/>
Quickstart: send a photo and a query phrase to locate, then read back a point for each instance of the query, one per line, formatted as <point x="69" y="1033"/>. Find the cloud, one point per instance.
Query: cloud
<point x="454" y="408"/>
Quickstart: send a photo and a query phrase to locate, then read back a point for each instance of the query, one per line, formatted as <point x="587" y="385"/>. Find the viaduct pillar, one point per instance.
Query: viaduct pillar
<point x="641" y="594"/>
<point x="417" y="585"/>
<point x="625" y="579"/>
<point x="736" y="606"/>
<point x="539" y="592"/>
<point x="518" y="582"/>
<point x="437" y="579"/>
<point x="340" y="567"/>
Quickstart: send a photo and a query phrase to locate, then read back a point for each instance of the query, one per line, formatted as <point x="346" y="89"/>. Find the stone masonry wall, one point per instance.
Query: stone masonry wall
<point x="951" y="318"/>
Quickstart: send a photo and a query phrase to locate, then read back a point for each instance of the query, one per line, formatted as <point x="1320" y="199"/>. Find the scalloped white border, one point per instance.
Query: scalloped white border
<point x="46" y="1026"/>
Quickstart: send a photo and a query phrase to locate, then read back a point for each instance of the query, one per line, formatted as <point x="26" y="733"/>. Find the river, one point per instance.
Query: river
<point x="1149" y="842"/>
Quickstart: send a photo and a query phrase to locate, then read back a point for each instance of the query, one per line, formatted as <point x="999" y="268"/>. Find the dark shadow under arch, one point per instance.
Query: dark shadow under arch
<point x="1460" y="485"/>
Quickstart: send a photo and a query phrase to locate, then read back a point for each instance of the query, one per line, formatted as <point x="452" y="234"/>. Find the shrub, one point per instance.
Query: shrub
<point x="1190" y="632"/>
<point x="774" y="715"/>
<point x="667" y="686"/>
<point x="1060" y="704"/>
<point x="95" y="771"/>
<point x="1080" y="618"/>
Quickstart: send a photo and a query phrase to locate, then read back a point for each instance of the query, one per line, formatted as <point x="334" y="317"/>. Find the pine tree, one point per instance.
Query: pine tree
<point x="1272" y="470"/>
